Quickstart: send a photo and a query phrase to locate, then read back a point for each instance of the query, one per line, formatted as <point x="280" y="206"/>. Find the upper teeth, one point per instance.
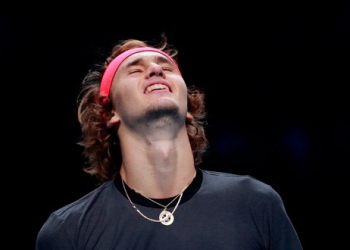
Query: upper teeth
<point x="156" y="86"/>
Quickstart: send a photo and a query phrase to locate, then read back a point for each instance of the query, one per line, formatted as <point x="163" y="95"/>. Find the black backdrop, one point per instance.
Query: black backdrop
<point x="276" y="78"/>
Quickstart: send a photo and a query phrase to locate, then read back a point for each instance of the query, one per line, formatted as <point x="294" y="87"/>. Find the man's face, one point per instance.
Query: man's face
<point x="147" y="84"/>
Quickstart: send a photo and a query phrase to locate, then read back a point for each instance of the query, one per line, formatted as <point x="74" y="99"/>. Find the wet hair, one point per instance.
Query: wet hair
<point x="101" y="144"/>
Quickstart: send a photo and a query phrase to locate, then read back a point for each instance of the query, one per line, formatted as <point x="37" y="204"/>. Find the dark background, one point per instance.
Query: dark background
<point x="276" y="78"/>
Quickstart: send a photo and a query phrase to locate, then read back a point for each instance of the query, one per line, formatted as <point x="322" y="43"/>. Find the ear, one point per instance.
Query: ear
<point x="189" y="117"/>
<point x="114" y="120"/>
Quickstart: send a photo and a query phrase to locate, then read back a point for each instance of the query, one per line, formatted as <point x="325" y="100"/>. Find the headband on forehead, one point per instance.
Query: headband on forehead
<point x="112" y="68"/>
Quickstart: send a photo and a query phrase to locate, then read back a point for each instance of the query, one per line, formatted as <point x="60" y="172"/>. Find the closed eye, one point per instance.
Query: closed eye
<point x="132" y="71"/>
<point x="167" y="69"/>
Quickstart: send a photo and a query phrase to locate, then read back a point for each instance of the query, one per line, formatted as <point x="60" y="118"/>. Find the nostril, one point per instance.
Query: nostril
<point x="155" y="70"/>
<point x="156" y="73"/>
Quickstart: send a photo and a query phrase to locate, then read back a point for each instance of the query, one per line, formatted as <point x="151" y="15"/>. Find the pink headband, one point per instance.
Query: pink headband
<point x="112" y="68"/>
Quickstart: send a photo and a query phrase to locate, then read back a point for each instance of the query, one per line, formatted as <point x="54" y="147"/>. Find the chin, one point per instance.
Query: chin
<point x="161" y="111"/>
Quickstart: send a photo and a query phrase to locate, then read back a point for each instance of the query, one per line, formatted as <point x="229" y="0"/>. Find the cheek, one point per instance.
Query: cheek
<point x="184" y="92"/>
<point x="181" y="85"/>
<point x="124" y="96"/>
<point x="120" y="86"/>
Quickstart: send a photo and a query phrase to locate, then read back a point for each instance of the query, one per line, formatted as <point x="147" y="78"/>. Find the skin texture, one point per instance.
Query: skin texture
<point x="149" y="99"/>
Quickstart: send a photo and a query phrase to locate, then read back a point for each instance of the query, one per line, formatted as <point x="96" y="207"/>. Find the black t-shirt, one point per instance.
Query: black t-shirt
<point x="217" y="211"/>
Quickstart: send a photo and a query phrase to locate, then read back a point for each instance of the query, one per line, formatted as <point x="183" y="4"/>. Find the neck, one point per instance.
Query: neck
<point x="158" y="166"/>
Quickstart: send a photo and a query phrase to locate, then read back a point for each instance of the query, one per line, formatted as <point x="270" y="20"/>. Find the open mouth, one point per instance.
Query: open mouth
<point x="157" y="86"/>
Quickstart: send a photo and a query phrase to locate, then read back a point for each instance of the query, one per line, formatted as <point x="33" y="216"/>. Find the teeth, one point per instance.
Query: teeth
<point x="156" y="87"/>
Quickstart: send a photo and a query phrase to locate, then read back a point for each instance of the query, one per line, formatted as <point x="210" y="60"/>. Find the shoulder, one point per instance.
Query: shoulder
<point x="222" y="178"/>
<point x="245" y="187"/>
<point x="88" y="202"/>
<point x="64" y="222"/>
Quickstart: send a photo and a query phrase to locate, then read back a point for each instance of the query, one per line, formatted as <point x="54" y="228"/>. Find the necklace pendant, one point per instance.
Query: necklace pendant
<point x="166" y="218"/>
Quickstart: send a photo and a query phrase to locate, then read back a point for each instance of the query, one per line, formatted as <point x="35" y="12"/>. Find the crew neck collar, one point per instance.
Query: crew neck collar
<point x="140" y="200"/>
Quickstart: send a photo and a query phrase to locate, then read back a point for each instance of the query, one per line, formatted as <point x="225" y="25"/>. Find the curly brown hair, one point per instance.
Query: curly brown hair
<point x="101" y="144"/>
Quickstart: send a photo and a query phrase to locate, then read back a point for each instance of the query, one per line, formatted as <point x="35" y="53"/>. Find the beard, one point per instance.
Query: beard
<point x="159" y="113"/>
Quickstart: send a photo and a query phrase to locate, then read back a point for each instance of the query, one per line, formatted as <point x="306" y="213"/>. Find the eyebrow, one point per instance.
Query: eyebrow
<point x="158" y="59"/>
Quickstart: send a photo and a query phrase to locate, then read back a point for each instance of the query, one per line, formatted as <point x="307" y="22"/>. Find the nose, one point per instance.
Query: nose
<point x="155" y="70"/>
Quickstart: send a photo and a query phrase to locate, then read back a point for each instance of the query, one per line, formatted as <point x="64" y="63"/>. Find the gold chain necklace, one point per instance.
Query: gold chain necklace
<point x="165" y="217"/>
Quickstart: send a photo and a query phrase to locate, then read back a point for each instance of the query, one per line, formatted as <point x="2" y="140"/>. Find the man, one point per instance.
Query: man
<point x="143" y="136"/>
